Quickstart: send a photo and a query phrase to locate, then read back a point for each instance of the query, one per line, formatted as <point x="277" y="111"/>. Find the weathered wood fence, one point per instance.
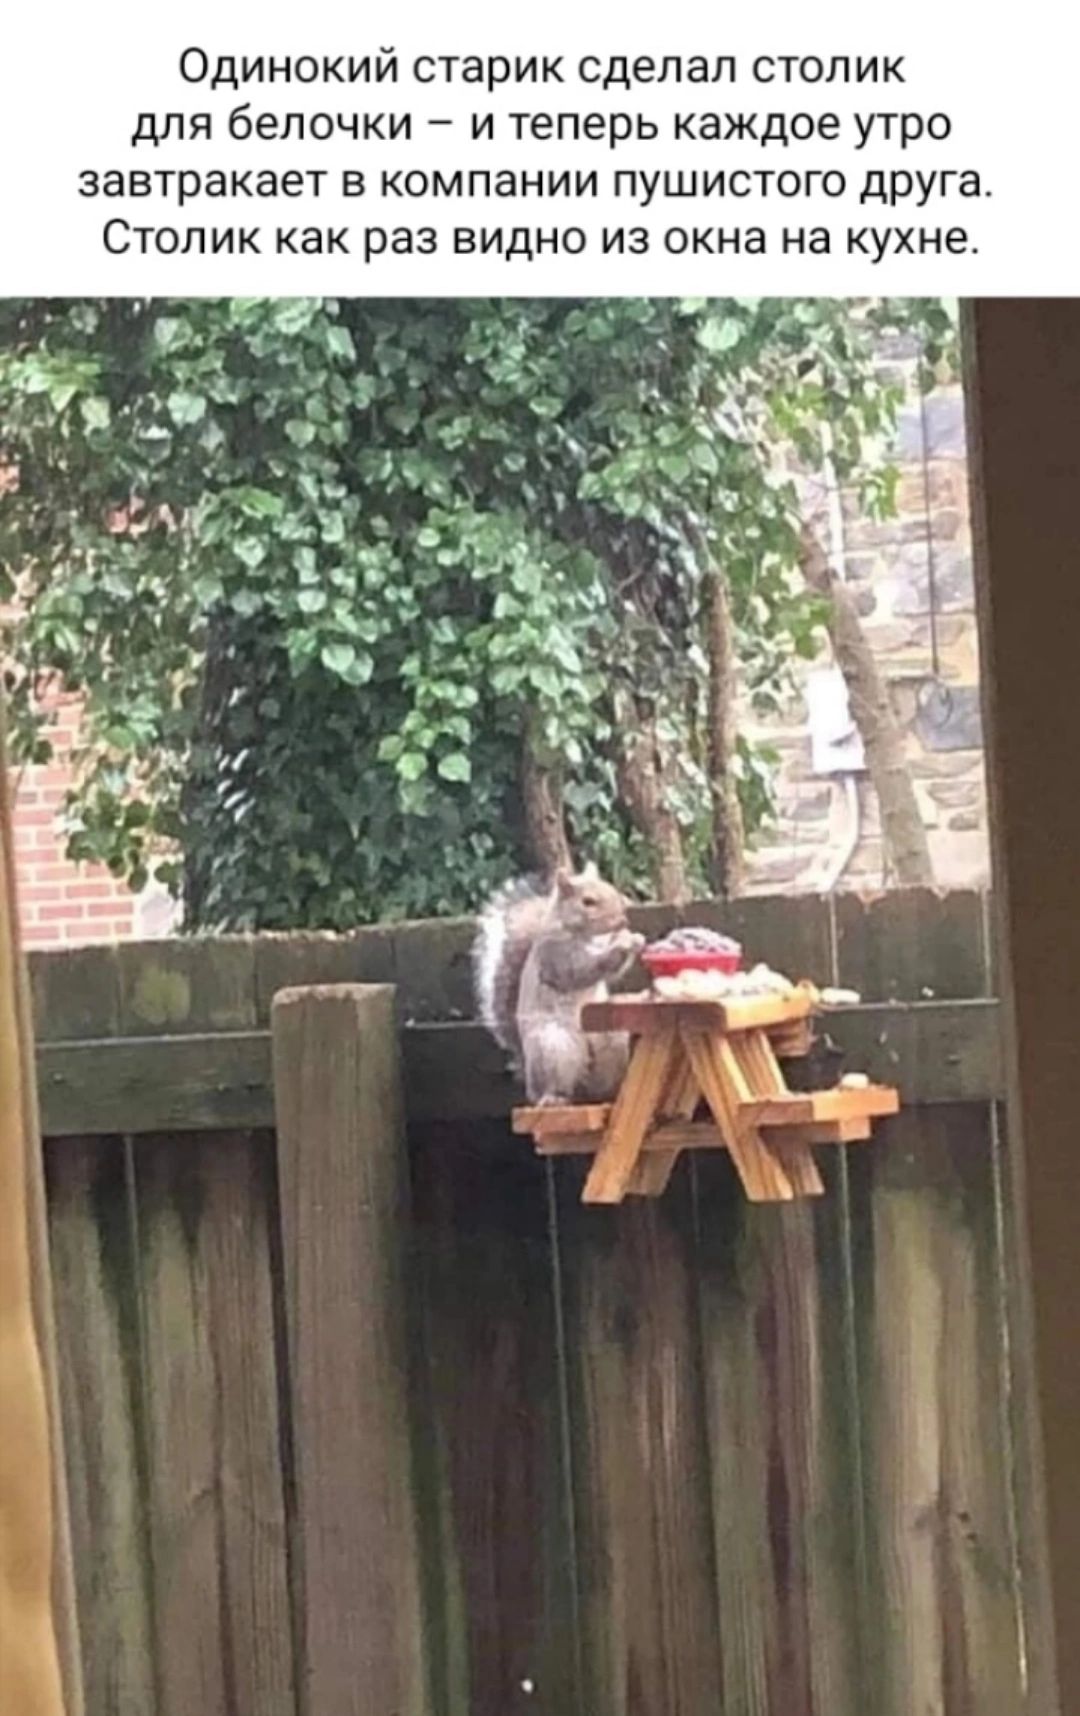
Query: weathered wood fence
<point x="355" y="1431"/>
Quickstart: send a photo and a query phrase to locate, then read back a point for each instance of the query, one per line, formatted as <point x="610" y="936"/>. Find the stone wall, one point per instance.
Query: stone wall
<point x="912" y="581"/>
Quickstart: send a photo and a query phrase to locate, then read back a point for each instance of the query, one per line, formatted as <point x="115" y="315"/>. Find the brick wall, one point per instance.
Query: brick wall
<point x="61" y="902"/>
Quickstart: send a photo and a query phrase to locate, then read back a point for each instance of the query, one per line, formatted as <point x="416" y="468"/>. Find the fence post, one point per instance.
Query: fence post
<point x="342" y="1176"/>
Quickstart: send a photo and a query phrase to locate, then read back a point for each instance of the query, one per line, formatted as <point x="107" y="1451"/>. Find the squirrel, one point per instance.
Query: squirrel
<point x="541" y="953"/>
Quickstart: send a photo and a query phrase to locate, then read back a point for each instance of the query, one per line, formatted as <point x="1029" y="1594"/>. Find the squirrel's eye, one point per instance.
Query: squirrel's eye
<point x="588" y="899"/>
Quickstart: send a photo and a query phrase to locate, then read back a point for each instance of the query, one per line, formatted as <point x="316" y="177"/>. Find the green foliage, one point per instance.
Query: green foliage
<point x="315" y="565"/>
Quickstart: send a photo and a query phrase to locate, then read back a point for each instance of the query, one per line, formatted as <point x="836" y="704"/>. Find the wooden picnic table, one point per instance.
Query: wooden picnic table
<point x="722" y="1057"/>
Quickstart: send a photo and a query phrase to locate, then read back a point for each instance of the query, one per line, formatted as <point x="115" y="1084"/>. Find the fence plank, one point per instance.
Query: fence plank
<point x="496" y="1475"/>
<point x="342" y="1172"/>
<point x="650" y="1638"/>
<point x="782" y="1432"/>
<point x="942" y="1564"/>
<point x="182" y="1407"/>
<point x="782" y="1406"/>
<point x="98" y="1348"/>
<point x="217" y="1520"/>
<point x="235" y="1243"/>
<point x="927" y="1270"/>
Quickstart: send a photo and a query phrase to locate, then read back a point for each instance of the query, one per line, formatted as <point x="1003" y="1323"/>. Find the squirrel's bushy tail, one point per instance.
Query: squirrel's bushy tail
<point x="508" y="926"/>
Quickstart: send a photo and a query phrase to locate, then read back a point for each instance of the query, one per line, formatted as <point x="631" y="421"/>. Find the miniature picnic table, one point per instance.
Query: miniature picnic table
<point x="725" y="1054"/>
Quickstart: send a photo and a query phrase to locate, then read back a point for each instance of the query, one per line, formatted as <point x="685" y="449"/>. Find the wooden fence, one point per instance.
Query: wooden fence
<point x="355" y="1431"/>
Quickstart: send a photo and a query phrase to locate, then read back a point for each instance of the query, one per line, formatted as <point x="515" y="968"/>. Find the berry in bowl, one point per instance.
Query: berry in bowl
<point x="691" y="958"/>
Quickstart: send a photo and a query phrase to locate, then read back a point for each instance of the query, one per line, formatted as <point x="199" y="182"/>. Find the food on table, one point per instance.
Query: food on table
<point x="693" y="963"/>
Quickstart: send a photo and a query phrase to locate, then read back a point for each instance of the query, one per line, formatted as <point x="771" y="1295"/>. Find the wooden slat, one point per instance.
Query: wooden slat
<point x="646" y="1015"/>
<point x="631" y="1115"/>
<point x="912" y="943"/>
<point x="75" y="994"/>
<point x="675" y="1136"/>
<point x="722" y="1084"/>
<point x="762" y="1069"/>
<point x="933" y="1358"/>
<point x="343" y="1189"/>
<point x="237" y="1241"/>
<point x="791" y="1042"/>
<point x="680" y="1099"/>
<point x="934" y="1052"/>
<point x="195" y="1083"/>
<point x="782" y="1432"/>
<point x="542" y="1122"/>
<point x="494" y="1460"/>
<point x="97" y="1323"/>
<point x="194" y="984"/>
<point x="215" y="1481"/>
<point x="649" y="1635"/>
<point x="672" y="1136"/>
<point x="782" y="1407"/>
<point x="936" y="1458"/>
<point x="838" y="1104"/>
<point x="198" y="984"/>
<point x="826" y="1132"/>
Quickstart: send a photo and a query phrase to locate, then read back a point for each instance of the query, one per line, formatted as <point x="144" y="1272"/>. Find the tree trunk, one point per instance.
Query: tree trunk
<point x="901" y="820"/>
<point x="541" y="794"/>
<point x="726" y="859"/>
<point x="199" y="791"/>
<point x="641" y="769"/>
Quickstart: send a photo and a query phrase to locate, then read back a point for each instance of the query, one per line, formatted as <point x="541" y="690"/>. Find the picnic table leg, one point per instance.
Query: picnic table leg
<point x="723" y="1083"/>
<point x="678" y="1102"/>
<point x="764" y="1076"/>
<point x="632" y="1114"/>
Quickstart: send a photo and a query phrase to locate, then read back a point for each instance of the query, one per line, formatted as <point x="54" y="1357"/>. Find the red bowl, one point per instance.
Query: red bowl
<point x="665" y="963"/>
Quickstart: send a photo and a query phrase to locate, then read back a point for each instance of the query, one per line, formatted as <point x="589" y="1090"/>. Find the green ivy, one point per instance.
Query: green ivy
<point x="315" y="563"/>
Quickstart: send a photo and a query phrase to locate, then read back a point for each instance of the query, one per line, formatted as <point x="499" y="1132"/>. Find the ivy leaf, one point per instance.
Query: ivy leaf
<point x="674" y="465"/>
<point x="719" y="335"/>
<point x="251" y="550"/>
<point x="96" y="412"/>
<point x="359" y="670"/>
<point x="705" y="457"/>
<point x="455" y="766"/>
<point x="340" y="341"/>
<point x="546" y="680"/>
<point x="260" y="503"/>
<point x="186" y="408"/>
<point x="411" y="765"/>
<point x="337" y="657"/>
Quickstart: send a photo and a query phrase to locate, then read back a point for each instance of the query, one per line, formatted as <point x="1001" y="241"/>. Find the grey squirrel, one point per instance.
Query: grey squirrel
<point x="541" y="953"/>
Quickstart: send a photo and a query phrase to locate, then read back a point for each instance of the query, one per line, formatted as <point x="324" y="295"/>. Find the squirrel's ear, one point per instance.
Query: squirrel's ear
<point x="590" y="872"/>
<point x="564" y="883"/>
